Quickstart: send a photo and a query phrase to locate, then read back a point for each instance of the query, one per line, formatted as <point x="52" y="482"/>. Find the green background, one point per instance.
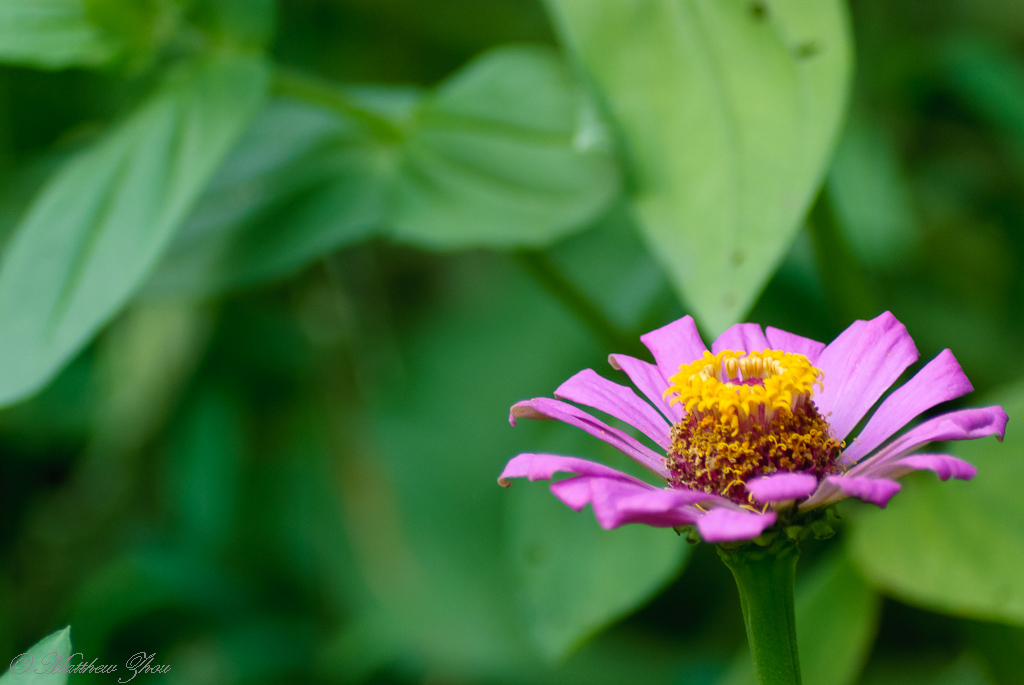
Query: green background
<point x="272" y="274"/>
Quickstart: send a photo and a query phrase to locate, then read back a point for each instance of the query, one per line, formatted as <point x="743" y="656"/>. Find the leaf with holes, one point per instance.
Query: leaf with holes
<point x="727" y="113"/>
<point x="101" y="222"/>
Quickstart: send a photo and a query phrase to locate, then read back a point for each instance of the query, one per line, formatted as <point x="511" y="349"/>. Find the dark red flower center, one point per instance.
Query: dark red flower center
<point x="711" y="456"/>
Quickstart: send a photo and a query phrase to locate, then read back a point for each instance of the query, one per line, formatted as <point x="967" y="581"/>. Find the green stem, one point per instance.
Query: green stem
<point x="765" y="581"/>
<point x="555" y="282"/>
<point x="326" y="94"/>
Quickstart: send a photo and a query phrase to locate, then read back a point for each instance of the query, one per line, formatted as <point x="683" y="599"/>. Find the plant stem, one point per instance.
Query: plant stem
<point x="765" y="578"/>
<point x="555" y="282"/>
<point x="324" y="93"/>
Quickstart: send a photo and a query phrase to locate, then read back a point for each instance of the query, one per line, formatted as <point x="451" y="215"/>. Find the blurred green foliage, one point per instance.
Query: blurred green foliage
<point x="272" y="274"/>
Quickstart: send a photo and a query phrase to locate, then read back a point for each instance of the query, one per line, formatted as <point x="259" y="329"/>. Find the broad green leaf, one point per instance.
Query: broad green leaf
<point x="954" y="547"/>
<point x="507" y="152"/>
<point x="101" y="222"/>
<point x="52" y="34"/>
<point x="612" y="658"/>
<point x="727" y="112"/>
<point x="301" y="183"/>
<point x="445" y="563"/>
<point x="441" y="543"/>
<point x="48" y="654"/>
<point x="836" y="619"/>
<point x="837" y="615"/>
<point x="574" y="577"/>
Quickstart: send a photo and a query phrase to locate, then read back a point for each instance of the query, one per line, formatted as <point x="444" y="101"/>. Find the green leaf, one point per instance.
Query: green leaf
<point x="837" y="615"/>
<point x="836" y="619"/>
<point x="574" y="577"/>
<point x="31" y="667"/>
<point x="444" y="565"/>
<point x="508" y="152"/>
<point x="244" y="23"/>
<point x="954" y="547"/>
<point x="301" y="183"/>
<point x="101" y="222"/>
<point x="52" y="34"/>
<point x="505" y="153"/>
<point x="140" y="27"/>
<point x="466" y="568"/>
<point x="727" y="112"/>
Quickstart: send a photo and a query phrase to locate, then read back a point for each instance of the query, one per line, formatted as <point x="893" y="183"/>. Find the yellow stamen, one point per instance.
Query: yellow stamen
<point x="720" y="384"/>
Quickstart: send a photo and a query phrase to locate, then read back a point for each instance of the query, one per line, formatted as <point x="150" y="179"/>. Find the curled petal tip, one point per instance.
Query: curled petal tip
<point x="525" y="410"/>
<point x="945" y="466"/>
<point x="948" y="353"/>
<point x="1005" y="419"/>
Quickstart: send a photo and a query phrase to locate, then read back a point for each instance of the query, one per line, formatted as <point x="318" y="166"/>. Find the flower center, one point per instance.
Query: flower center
<point x="748" y="414"/>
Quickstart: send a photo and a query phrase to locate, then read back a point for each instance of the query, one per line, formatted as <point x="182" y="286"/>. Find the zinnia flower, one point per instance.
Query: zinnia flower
<point x="757" y="427"/>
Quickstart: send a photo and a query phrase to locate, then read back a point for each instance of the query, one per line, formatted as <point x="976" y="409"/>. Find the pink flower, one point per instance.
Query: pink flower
<point x="757" y="427"/>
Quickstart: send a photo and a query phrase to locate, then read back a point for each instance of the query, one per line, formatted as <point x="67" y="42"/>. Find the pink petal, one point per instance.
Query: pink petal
<point x="575" y="493"/>
<point x="939" y="381"/>
<point x="945" y="465"/>
<point x="592" y="390"/>
<point x="965" y="424"/>
<point x="648" y="379"/>
<point x="791" y="342"/>
<point x="545" y="408"/>
<point x="617" y="503"/>
<point x="617" y="498"/>
<point x="875" y="490"/>
<point x="544" y="466"/>
<point x="727" y="525"/>
<point x="746" y="337"/>
<point x="782" y="486"/>
<point x="673" y="345"/>
<point x="859" y="366"/>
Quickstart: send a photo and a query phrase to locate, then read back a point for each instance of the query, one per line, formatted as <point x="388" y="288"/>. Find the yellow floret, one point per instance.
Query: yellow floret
<point x="718" y="384"/>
